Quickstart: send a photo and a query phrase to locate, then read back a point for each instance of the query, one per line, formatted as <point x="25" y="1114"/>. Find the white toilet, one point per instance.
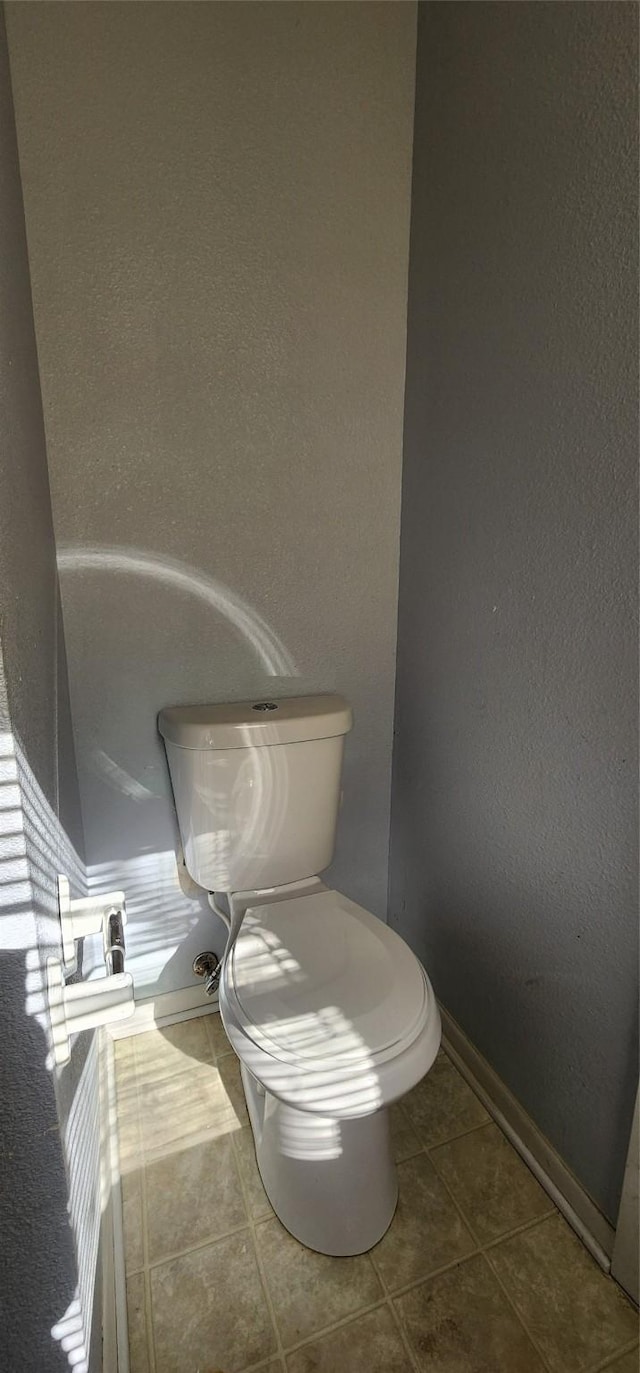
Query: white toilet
<point x="330" y="1013"/>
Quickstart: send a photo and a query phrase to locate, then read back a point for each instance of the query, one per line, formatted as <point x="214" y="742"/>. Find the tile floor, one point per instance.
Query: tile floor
<point x="477" y="1274"/>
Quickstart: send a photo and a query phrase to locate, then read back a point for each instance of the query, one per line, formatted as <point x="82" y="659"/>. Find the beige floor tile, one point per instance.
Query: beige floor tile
<point x="178" y="1111"/>
<point x="404" y="1140"/>
<point x="575" y="1313"/>
<point x="426" y="1232"/>
<point x="443" y="1105"/>
<point x="126" y="1085"/>
<point x="137" y="1326"/>
<point x="123" y="1050"/>
<point x="209" y="1310"/>
<point x="132" y="1220"/>
<point x="129" y="1134"/>
<point x="629" y="1363"/>
<point x="192" y="1195"/>
<point x="217" y="1035"/>
<point x="490" y="1183"/>
<point x="129" y="1146"/>
<point x="461" y="1322"/>
<point x="181" y="1108"/>
<point x="370" y="1344"/>
<point x="256" y="1197"/>
<point x="309" y="1290"/>
<point x="175" y="1049"/>
<point x="229" y="1070"/>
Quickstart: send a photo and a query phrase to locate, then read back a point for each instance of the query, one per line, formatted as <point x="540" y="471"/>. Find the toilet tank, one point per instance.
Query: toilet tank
<point x="256" y="787"/>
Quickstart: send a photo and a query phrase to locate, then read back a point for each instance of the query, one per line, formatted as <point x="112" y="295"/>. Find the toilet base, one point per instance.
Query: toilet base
<point x="332" y="1182"/>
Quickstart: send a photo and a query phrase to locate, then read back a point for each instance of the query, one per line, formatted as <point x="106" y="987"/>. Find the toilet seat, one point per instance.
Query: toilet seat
<point x="327" y="1006"/>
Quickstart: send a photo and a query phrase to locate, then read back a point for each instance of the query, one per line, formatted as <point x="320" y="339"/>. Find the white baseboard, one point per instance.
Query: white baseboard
<point x="552" y="1173"/>
<point x="164" y="1009"/>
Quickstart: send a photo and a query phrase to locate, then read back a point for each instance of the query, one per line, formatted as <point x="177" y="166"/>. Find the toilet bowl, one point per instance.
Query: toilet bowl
<point x="330" y="1013"/>
<point x="333" y="1019"/>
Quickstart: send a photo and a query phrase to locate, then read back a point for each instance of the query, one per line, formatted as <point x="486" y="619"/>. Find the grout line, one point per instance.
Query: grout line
<point x="393" y="1294"/>
<point x="337" y="1325"/>
<point x="406" y="1158"/>
<point x="279" y="1350"/>
<point x="507" y="1295"/>
<point x="264" y="1363"/>
<point x="481" y="1247"/>
<point x="195" y="1248"/>
<point x="404" y="1336"/>
<point x="151" y="1355"/>
<point x="478" y="1249"/>
<point x="142" y="1071"/>
<point x="612" y="1359"/>
<point x="185" y="1143"/>
<point x="208" y="1019"/>
<point x="158" y="1076"/>
<point x="519" y="1229"/>
<point x="258" y="1257"/>
<point x="467" y="1224"/>
<point x="151" y="1343"/>
<point x="208" y="1034"/>
<point x="550" y="1210"/>
<point x="461" y="1134"/>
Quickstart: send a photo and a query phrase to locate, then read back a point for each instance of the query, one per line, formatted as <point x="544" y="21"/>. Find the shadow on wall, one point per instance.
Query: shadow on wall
<point x="133" y="665"/>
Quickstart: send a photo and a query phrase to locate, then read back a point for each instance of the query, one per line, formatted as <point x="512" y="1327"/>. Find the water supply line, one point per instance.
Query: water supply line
<point x="207" y="964"/>
<point x="211" y="898"/>
<point x="239" y="903"/>
<point x="232" y="921"/>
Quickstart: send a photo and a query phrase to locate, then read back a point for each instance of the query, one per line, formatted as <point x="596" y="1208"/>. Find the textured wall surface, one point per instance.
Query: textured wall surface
<point x="39" y="810"/>
<point x="33" y="646"/>
<point x="514" y="802"/>
<point x="217" y="201"/>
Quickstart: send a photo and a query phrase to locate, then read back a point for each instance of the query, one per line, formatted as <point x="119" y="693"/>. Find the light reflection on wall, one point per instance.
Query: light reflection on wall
<point x="167" y="923"/>
<point x="274" y="658"/>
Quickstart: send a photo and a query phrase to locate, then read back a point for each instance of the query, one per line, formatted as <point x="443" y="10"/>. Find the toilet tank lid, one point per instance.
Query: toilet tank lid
<point x="247" y="724"/>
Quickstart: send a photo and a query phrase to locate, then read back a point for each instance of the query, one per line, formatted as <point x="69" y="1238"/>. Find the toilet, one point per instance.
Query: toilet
<point x="331" y="1015"/>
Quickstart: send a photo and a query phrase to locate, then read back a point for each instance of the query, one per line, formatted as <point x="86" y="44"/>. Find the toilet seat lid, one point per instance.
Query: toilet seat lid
<point x="319" y="978"/>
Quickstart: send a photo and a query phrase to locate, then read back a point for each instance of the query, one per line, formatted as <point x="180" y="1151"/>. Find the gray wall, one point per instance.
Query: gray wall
<point x="39" y="808"/>
<point x="217" y="201"/>
<point x="513" y="869"/>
